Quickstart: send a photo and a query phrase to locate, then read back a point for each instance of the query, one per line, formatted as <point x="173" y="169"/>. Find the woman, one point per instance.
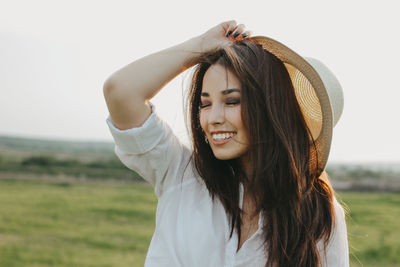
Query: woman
<point x="251" y="191"/>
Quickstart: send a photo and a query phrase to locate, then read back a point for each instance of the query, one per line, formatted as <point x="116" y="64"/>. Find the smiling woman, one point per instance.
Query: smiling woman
<point x="252" y="190"/>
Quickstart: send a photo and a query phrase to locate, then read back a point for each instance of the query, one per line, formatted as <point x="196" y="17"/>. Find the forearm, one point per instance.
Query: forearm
<point x="127" y="90"/>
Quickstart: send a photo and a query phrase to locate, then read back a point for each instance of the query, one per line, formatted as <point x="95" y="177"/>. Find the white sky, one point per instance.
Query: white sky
<point x="55" y="56"/>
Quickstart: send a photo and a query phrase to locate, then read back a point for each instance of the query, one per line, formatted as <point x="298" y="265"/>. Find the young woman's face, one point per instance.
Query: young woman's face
<point x="220" y="116"/>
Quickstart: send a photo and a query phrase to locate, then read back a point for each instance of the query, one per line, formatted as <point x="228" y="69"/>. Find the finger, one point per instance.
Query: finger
<point x="229" y="22"/>
<point x="246" y="34"/>
<point x="230" y="27"/>
<point x="239" y="29"/>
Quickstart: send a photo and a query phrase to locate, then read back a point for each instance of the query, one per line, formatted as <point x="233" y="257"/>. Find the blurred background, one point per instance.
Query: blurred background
<point x="65" y="199"/>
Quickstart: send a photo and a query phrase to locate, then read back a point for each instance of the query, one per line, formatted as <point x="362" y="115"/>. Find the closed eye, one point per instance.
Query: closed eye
<point x="229" y="102"/>
<point x="203" y="105"/>
<point x="232" y="102"/>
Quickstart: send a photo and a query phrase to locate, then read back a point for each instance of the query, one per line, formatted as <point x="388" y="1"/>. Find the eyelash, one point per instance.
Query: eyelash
<point x="231" y="102"/>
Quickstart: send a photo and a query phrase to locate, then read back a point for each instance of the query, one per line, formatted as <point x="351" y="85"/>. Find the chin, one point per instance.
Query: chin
<point x="226" y="155"/>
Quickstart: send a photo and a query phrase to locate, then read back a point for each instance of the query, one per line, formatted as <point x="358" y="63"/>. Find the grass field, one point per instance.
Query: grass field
<point x="110" y="224"/>
<point x="63" y="224"/>
<point x="373" y="228"/>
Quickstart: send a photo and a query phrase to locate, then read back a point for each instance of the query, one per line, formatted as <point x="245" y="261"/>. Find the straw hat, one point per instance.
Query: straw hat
<point x="318" y="93"/>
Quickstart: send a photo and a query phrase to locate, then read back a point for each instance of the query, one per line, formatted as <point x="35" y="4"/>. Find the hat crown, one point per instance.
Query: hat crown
<point x="333" y="88"/>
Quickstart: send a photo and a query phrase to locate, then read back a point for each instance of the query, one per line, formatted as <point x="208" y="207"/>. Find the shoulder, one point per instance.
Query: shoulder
<point x="337" y="251"/>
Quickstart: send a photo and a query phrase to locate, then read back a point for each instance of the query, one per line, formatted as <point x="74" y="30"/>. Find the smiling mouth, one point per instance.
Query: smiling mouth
<point x="222" y="138"/>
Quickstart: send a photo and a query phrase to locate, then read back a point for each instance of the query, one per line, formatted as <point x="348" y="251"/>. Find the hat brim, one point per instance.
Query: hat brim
<point x="311" y="94"/>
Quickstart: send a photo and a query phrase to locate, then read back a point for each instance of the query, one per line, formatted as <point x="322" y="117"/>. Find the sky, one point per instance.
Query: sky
<point x="56" y="55"/>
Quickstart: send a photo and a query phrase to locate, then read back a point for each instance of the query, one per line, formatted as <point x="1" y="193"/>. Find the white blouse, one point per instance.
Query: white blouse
<point x="190" y="229"/>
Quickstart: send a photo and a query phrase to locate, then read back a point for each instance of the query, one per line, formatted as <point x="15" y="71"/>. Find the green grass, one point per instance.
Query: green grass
<point x="373" y="228"/>
<point x="102" y="224"/>
<point x="61" y="224"/>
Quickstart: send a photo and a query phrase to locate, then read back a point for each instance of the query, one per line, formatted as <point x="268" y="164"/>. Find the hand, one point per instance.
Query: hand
<point x="222" y="35"/>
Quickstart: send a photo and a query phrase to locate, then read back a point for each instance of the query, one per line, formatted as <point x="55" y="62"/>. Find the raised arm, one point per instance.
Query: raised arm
<point x="127" y="90"/>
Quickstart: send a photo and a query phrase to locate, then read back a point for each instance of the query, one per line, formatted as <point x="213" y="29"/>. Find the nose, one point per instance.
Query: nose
<point x="217" y="114"/>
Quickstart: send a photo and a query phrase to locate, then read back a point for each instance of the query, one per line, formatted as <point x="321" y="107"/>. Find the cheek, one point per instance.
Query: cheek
<point x="203" y="120"/>
<point x="235" y="118"/>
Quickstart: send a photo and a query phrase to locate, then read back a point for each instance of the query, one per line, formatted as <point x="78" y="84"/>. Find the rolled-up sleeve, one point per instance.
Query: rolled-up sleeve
<point x="153" y="151"/>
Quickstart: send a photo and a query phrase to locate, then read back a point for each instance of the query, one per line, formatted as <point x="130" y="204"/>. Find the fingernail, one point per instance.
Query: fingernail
<point x="229" y="33"/>
<point x="244" y="35"/>
<point x="235" y="34"/>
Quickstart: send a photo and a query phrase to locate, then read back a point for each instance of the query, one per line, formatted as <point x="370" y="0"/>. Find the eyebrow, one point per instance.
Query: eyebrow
<point x="224" y="92"/>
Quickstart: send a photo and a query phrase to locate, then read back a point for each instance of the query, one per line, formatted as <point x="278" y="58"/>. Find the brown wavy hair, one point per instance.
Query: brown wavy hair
<point x="285" y="184"/>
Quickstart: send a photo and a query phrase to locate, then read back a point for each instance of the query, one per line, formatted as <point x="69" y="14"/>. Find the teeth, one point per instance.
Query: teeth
<point x="219" y="137"/>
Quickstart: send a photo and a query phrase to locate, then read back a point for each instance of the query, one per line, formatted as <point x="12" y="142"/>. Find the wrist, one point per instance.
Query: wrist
<point x="192" y="49"/>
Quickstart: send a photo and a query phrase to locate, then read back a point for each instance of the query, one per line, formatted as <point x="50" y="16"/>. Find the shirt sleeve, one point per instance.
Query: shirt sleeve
<point x="153" y="151"/>
<point x="337" y="250"/>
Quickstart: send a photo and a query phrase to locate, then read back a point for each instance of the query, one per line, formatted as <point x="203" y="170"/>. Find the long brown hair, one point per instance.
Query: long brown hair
<point x="285" y="184"/>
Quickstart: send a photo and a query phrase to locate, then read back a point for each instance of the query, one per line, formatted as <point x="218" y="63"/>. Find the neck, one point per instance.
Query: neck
<point x="249" y="201"/>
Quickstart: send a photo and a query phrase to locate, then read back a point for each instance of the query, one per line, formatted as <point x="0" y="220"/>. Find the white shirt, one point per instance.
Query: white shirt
<point x="191" y="230"/>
